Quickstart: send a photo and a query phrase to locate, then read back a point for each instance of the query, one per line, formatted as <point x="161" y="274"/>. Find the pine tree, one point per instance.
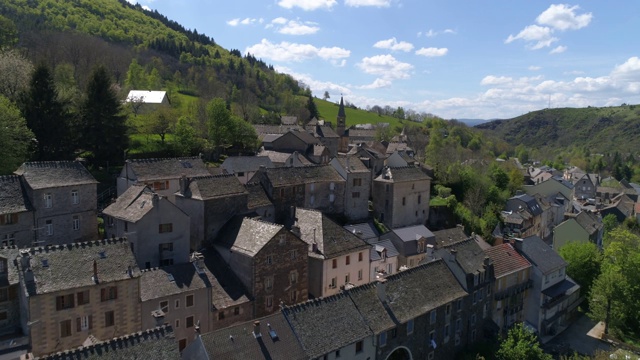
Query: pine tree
<point x="313" y="110"/>
<point x="47" y="117"/>
<point x="105" y="129"/>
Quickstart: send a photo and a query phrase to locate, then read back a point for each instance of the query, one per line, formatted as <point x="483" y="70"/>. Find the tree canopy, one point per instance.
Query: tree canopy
<point x="15" y="137"/>
<point x="521" y="344"/>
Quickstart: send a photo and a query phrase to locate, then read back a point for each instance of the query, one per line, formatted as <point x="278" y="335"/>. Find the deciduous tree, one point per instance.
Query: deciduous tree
<point x="584" y="261"/>
<point x="521" y="344"/>
<point x="15" y="137"/>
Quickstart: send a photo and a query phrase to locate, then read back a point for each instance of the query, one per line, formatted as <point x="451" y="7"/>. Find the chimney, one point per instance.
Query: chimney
<point x="95" y="271"/>
<point x="430" y="251"/>
<point x="184" y="185"/>
<point x="28" y="276"/>
<point x="517" y="243"/>
<point x="487" y="261"/>
<point x="158" y="315"/>
<point x="454" y="253"/>
<point x="381" y="289"/>
<point x="256" y="329"/>
<point x="295" y="229"/>
<point x="155" y="199"/>
<point x="314" y="247"/>
<point x="25" y="260"/>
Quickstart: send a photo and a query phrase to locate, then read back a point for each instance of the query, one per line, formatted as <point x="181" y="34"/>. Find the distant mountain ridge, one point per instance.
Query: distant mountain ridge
<point x="601" y="130"/>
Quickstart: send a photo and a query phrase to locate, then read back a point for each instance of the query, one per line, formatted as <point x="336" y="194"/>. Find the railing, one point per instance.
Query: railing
<point x="106" y="197"/>
<point x="513" y="290"/>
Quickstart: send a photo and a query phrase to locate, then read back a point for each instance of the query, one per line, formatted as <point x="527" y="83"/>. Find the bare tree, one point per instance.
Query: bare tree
<point x="15" y="73"/>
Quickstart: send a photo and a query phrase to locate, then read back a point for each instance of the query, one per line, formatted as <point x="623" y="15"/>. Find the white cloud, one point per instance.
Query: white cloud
<point x="433" y="33"/>
<point x="393" y="44"/>
<point x="317" y="87"/>
<point x="495" y="80"/>
<point x="629" y="71"/>
<point x="432" y="52"/>
<point x="146" y="7"/>
<point x="293" y="27"/>
<point x="385" y="66"/>
<point x="245" y="21"/>
<point x="376" y="3"/>
<point x="286" y="51"/>
<point x="558" y="50"/>
<point x="449" y="31"/>
<point x="564" y="17"/>
<point x="307" y="5"/>
<point x="537" y="36"/>
<point x="534" y="68"/>
<point x="376" y="84"/>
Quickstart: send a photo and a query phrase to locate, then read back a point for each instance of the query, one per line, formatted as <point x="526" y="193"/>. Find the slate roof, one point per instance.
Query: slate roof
<point x="318" y="149"/>
<point x="363" y="133"/>
<point x="366" y="299"/>
<point x="215" y="186"/>
<point x="540" y="254"/>
<point x="352" y="164"/>
<point x="341" y="112"/>
<point x="288" y="120"/>
<point x="133" y="204"/>
<point x="146" y="96"/>
<point x="274" y="129"/>
<point x="326" y="131"/>
<point x="450" y="236"/>
<point x="375" y="253"/>
<point x="10" y="253"/>
<point x="418" y="290"/>
<point x="275" y="156"/>
<point x="469" y="255"/>
<point x="401" y="174"/>
<point x="50" y="174"/>
<point x="589" y="222"/>
<point x="506" y="259"/>
<point x="409" y="233"/>
<point x="405" y="238"/>
<point x="532" y="205"/>
<point x="13" y="198"/>
<point x="157" y="344"/>
<point x="332" y="239"/>
<point x="327" y="324"/>
<point x="257" y="196"/>
<point x="247" y="236"/>
<point x="238" y="342"/>
<point x="398" y="146"/>
<point x="70" y="266"/>
<point x="364" y="231"/>
<point x="236" y="164"/>
<point x="227" y="290"/>
<point x="174" y="279"/>
<point x="285" y="176"/>
<point x="167" y="168"/>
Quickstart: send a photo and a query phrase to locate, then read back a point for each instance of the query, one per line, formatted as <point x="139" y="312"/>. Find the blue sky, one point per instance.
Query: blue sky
<point x="451" y="58"/>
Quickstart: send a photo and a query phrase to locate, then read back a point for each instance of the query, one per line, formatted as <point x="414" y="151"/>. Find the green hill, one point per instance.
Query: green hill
<point x="329" y="111"/>
<point x="599" y="130"/>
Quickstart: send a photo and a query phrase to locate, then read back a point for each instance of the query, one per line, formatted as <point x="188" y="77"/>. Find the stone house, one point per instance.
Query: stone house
<point x="337" y="258"/>
<point x="161" y="175"/>
<point x="554" y="296"/>
<point x="258" y="202"/>
<point x="16" y="213"/>
<point x="331" y="327"/>
<point x="210" y="201"/>
<point x="328" y="138"/>
<point x="358" y="186"/>
<point x="316" y="187"/>
<point x="77" y="291"/>
<point x="383" y="259"/>
<point x="401" y="197"/>
<point x="510" y="287"/>
<point x="244" y="167"/>
<point x="412" y="243"/>
<point x="585" y="186"/>
<point x="622" y="207"/>
<point x="64" y="198"/>
<point x="294" y="140"/>
<point x="270" y="261"/>
<point x="269" y="337"/>
<point x="186" y="296"/>
<point x="582" y="227"/>
<point x="373" y="155"/>
<point x="319" y="154"/>
<point x="283" y="159"/>
<point x="530" y="209"/>
<point x="157" y="230"/>
<point x="10" y="325"/>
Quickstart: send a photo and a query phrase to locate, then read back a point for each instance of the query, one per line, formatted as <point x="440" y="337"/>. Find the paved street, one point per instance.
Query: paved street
<point x="576" y="339"/>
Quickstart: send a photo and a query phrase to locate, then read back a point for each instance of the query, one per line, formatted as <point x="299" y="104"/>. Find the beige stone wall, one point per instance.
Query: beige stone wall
<point x="343" y="270"/>
<point x="45" y="320"/>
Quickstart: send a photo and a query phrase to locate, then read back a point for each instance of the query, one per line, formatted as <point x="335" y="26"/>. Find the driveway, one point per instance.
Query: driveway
<point x="575" y="338"/>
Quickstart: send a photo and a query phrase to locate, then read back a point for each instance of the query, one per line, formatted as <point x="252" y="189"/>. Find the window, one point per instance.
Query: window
<point x="458" y="325"/>
<point x="268" y="283"/>
<point x="166" y="247"/>
<point x="419" y="199"/>
<point x="293" y="296"/>
<point x="49" y="227"/>
<point x="360" y="256"/>
<point x="355" y="194"/>
<point x="4" y="294"/>
<point x="236" y="310"/>
<point x="404" y="201"/>
<point x="240" y="173"/>
<point x="499" y="305"/>
<point x="473" y="335"/>
<point x="189" y="300"/>
<point x="165" y="228"/>
<point x="446" y="333"/>
<point x="164" y="306"/>
<point x="347" y="278"/>
<point x="359" y="347"/>
<point x="109" y="318"/>
<point x="269" y="259"/>
<point x="282" y="239"/>
<point x="433" y="317"/>
<point x="431" y="356"/>
<point x="360" y="274"/>
<point x="189" y="320"/>
<point x="48" y="200"/>
<point x="473" y="318"/>
<point x="76" y="222"/>
<point x="337" y="354"/>
<point x="357" y="182"/>
<point x="182" y="343"/>
<point x="294" y="254"/>
<point x="220" y="316"/>
<point x="383" y="339"/>
<point x="459" y="306"/>
<point x="281" y="192"/>
<point x="332" y="197"/>
<point x="393" y="333"/>
<point x="410" y="326"/>
<point x="348" y="260"/>
<point x="332" y="186"/>
<point x="448" y="310"/>
<point x="108" y="293"/>
<point x="75" y="199"/>
<point x="269" y="301"/>
<point x="83" y="297"/>
<point x="3" y="315"/>
<point x="432" y="337"/>
<point x="64" y="302"/>
<point x="475" y="297"/>
<point x="334" y="263"/>
<point x="8" y="219"/>
<point x="177" y="304"/>
<point x="293" y="277"/>
<point x="65" y="328"/>
<point x="159" y="185"/>
<point x="177" y="323"/>
<point x="333" y="283"/>
<point x="83" y="323"/>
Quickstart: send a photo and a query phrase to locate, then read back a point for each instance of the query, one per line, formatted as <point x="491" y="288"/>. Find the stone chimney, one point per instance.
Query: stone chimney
<point x="487" y="261"/>
<point x="256" y="329"/>
<point x="381" y="290"/>
<point x="158" y="316"/>
<point x="184" y="185"/>
<point x="517" y="243"/>
<point x="430" y="251"/>
<point x="155" y="199"/>
<point x="28" y="276"/>
<point x="454" y="253"/>
<point x="95" y="271"/>
<point x="295" y="229"/>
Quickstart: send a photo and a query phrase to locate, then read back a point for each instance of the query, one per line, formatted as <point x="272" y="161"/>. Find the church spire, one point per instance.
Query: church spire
<point x="342" y="117"/>
<point x="341" y="109"/>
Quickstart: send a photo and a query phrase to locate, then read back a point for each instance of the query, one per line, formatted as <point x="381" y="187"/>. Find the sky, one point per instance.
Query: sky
<point x="457" y="59"/>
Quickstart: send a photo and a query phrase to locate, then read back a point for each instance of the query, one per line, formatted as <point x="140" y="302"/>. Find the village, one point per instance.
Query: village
<point x="323" y="246"/>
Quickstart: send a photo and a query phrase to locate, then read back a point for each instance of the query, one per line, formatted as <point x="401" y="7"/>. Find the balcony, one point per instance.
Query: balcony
<point x="559" y="292"/>
<point x="513" y="290"/>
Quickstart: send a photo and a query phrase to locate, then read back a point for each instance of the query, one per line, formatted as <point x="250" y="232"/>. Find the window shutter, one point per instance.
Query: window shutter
<point x="115" y="292"/>
<point x="78" y="325"/>
<point x="90" y="322"/>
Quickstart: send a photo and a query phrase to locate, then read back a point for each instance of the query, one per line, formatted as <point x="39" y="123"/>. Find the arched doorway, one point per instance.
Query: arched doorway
<point x="400" y="353"/>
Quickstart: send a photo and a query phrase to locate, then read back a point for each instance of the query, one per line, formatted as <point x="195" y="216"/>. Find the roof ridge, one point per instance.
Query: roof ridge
<point x="75" y="245"/>
<point x="203" y="177"/>
<point x="163" y="159"/>
<point x="262" y="221"/>
<point x="459" y="242"/>
<point x="10" y="176"/>
<point x="402" y="273"/>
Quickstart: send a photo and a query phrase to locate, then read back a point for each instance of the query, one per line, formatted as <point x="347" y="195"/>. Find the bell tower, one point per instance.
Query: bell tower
<point x="341" y="119"/>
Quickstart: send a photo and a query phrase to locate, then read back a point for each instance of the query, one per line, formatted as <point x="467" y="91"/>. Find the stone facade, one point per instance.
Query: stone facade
<point x="401" y="197"/>
<point x="358" y="186"/>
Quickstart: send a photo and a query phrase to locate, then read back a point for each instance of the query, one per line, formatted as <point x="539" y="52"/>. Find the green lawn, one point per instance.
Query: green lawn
<point x="329" y="111"/>
<point x="147" y="143"/>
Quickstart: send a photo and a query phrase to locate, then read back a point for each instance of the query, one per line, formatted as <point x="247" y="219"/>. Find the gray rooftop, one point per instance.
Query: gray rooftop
<point x="247" y="236"/>
<point x="332" y="239"/>
<point x="13" y="198"/>
<point x="238" y="342"/>
<point x="327" y="324"/>
<point x="274" y="129"/>
<point x="302" y="175"/>
<point x="364" y="231"/>
<point x="469" y="255"/>
<point x="366" y="299"/>
<point x="157" y="344"/>
<point x="352" y="164"/>
<point x="51" y="265"/>
<point x="167" y="168"/>
<point x="257" y="196"/>
<point x="133" y="204"/>
<point x="540" y="254"/>
<point x="412" y="233"/>
<point x="50" y="174"/>
<point x="449" y="236"/>
<point x="10" y="253"/>
<point x="171" y="280"/>
<point x="401" y="174"/>
<point x="236" y="164"/>
<point x="378" y="246"/>
<point x="211" y="187"/>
